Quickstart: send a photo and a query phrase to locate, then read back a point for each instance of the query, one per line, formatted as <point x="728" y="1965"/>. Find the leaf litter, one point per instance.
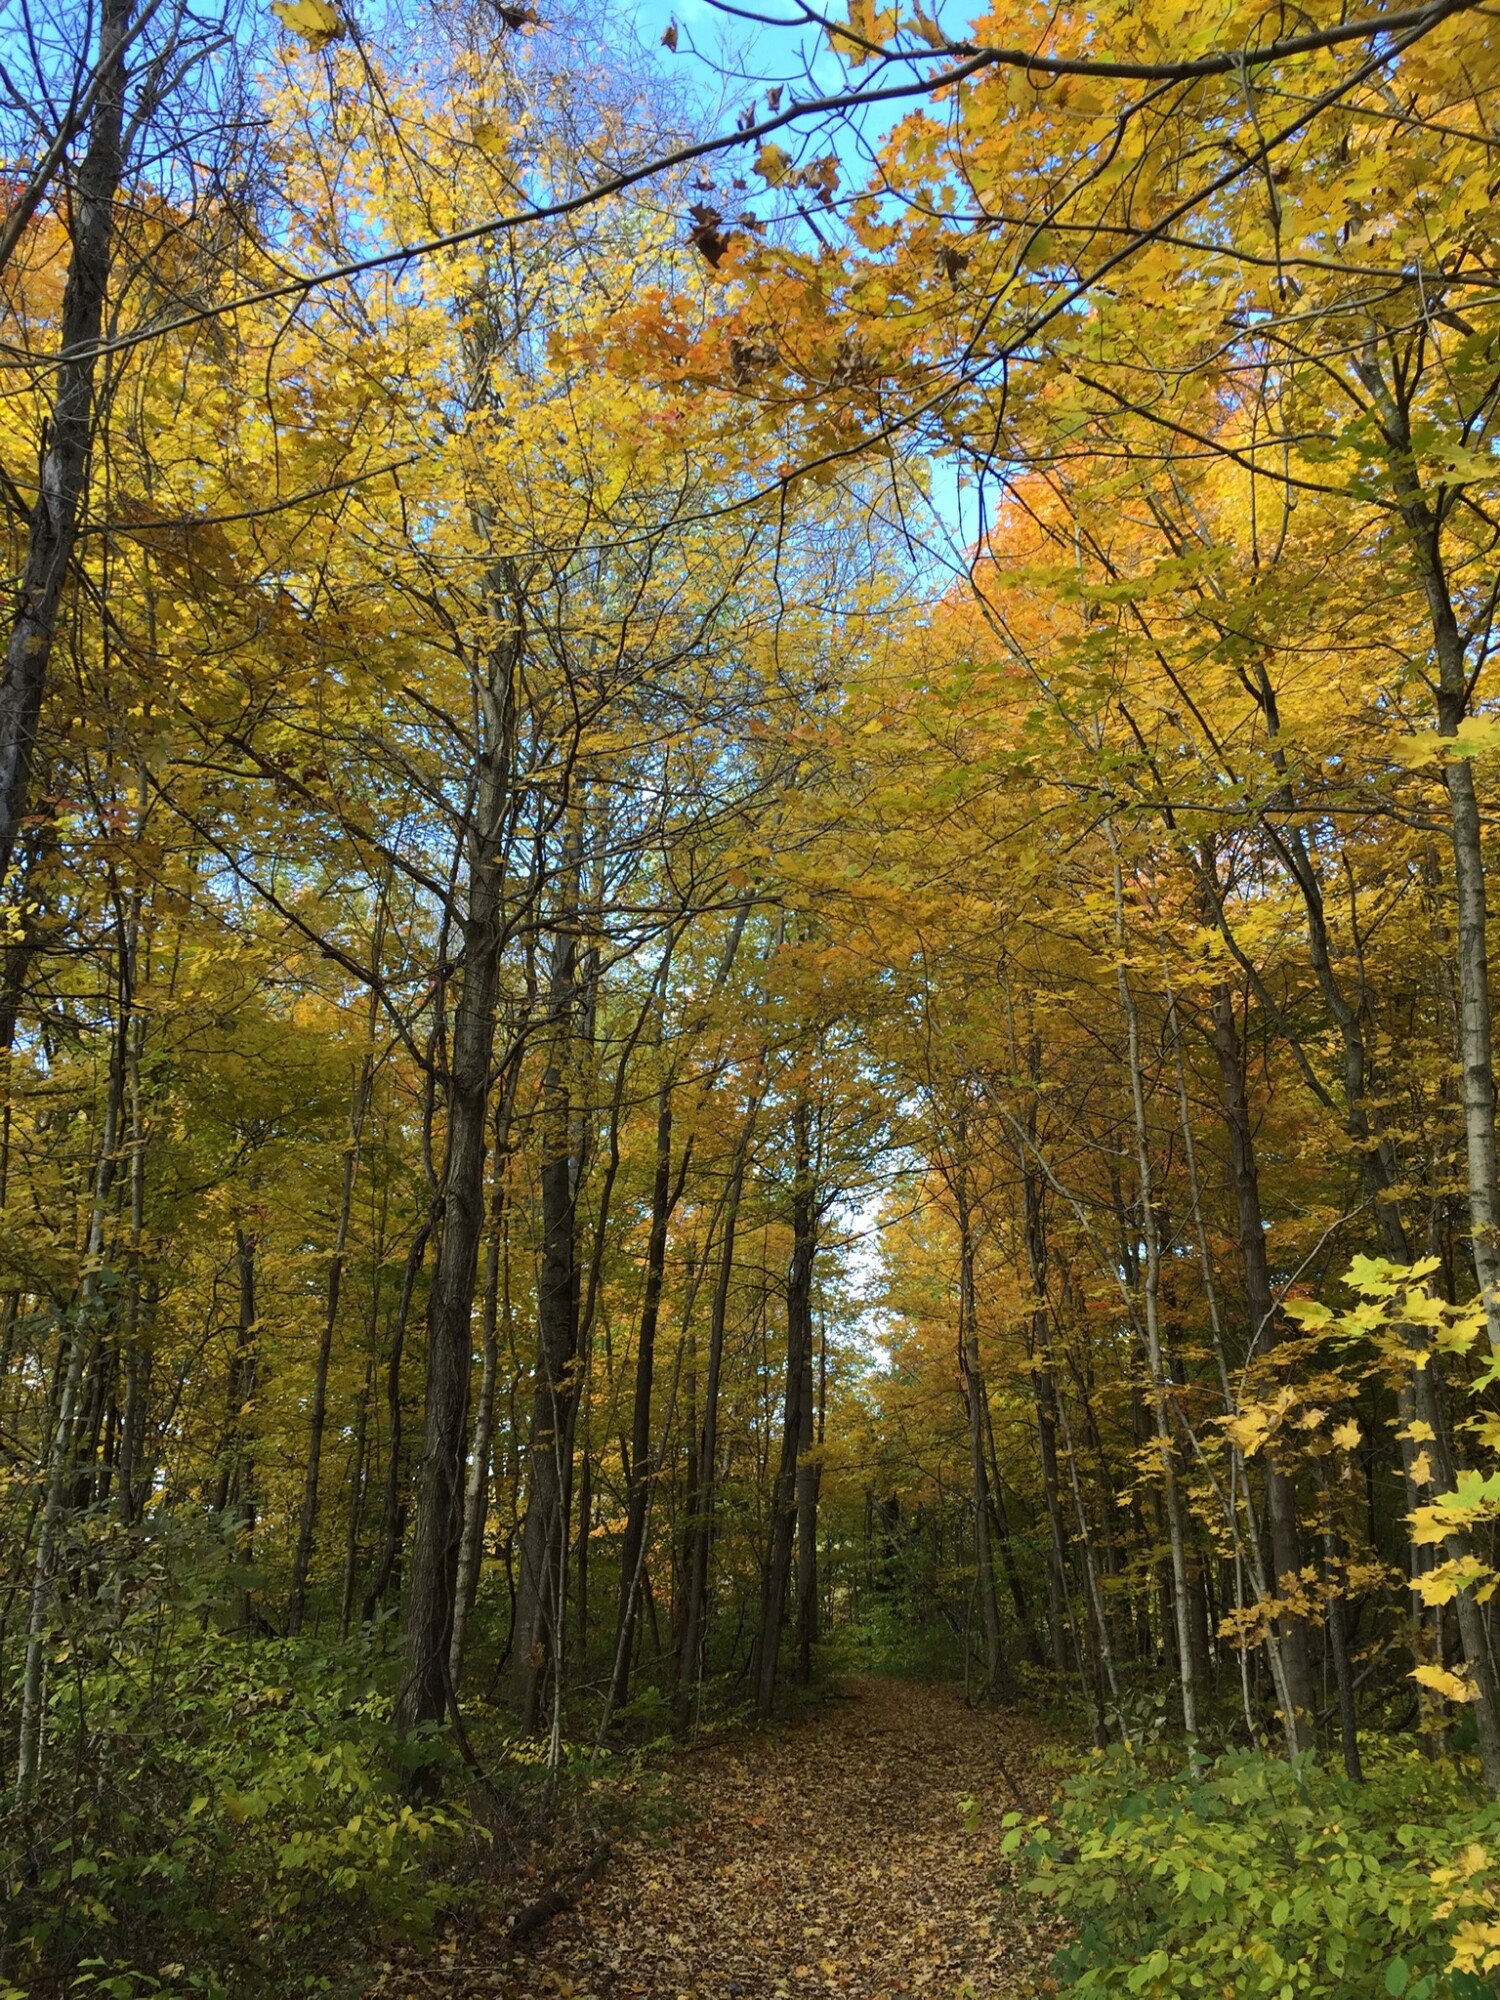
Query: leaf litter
<point x="852" y="1855"/>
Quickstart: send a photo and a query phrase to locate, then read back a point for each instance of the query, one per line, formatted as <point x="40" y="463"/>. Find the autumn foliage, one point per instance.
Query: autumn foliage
<point x="746" y="931"/>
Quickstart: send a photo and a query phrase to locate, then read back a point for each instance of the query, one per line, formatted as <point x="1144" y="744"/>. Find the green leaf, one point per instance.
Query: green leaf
<point x="1396" y="1976"/>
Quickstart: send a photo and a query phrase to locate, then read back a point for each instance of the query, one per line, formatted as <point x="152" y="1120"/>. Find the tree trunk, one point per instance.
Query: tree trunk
<point x="809" y="1480"/>
<point x="783" y="1509"/>
<point x="76" y="1339"/>
<point x="427" y="1633"/>
<point x="1476" y="1049"/>
<point x="477" y="1490"/>
<point x="1238" y="1492"/>
<point x="1044" y="1388"/>
<point x="1469" y="1613"/>
<point x="392" y="1511"/>
<point x="1281" y="1497"/>
<point x="241" y="1490"/>
<point x="700" y="1502"/>
<point x="1338" y="1640"/>
<point x="1165" y="1438"/>
<point x="317" y="1419"/>
<point x="971" y="1374"/>
<point x="356" y="1502"/>
<point x="639" y="1472"/>
<point x="1002" y="1528"/>
<point x="54" y="520"/>
<point x="134" y="1488"/>
<point x="542" y="1587"/>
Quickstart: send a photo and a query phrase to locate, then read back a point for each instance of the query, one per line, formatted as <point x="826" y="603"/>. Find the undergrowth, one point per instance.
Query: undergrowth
<point x="219" y="1818"/>
<point x="223" y="1816"/>
<point x="1256" y="1879"/>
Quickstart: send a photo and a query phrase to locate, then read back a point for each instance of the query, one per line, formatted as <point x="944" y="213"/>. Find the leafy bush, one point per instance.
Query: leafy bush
<point x="216" y="1814"/>
<point x="1255" y="1877"/>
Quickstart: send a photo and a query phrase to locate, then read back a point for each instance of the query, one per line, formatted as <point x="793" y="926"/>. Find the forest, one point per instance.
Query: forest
<point x="749" y="1188"/>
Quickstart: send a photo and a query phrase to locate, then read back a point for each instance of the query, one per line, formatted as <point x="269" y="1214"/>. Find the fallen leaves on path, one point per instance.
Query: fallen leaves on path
<point x="853" y="1856"/>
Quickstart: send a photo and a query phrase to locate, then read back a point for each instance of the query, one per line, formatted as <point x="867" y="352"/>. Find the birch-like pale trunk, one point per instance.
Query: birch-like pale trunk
<point x="1246" y="1544"/>
<point x="1424" y="531"/>
<point x="971" y="1371"/>
<point x="1151" y="1290"/>
<point x="477" y="1486"/>
<point x="76" y="1342"/>
<point x="638" y="1485"/>
<point x="317" y="1419"/>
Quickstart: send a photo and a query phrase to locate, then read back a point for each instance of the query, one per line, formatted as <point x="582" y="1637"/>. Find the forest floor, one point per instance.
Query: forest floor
<point x="851" y="1855"/>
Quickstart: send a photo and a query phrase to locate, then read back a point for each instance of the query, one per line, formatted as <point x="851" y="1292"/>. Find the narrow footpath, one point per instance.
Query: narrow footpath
<point x="854" y="1854"/>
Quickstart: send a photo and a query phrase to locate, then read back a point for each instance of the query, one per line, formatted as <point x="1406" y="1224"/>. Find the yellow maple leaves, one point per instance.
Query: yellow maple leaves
<point x="313" y="21"/>
<point x="1255" y="1423"/>
<point x="868" y="26"/>
<point x="1442" y="1583"/>
<point x="491" y="137"/>
<point x="1477" y="735"/>
<point x="1474" y="1500"/>
<point x="773" y="164"/>
<point x="1452" y="1687"/>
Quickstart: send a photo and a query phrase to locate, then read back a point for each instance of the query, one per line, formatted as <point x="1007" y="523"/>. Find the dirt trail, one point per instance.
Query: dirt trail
<point x="829" y="1859"/>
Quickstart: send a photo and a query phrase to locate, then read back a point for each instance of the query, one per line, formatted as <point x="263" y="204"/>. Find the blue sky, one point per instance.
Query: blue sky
<point x="716" y="41"/>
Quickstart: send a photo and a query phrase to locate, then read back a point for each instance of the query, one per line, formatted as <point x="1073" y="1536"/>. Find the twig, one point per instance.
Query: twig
<point x="562" y="1896"/>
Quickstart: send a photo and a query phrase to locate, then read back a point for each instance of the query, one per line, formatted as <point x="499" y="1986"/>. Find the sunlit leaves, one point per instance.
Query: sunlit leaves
<point x="316" y="22"/>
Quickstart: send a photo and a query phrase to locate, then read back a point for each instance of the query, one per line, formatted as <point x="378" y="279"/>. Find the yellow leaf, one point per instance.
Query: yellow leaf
<point x="1452" y="1687"/>
<point x="1255" y="1422"/>
<point x="1476" y="733"/>
<point x="773" y="165"/>
<point x="1307" y="1312"/>
<point x="1442" y="1583"/>
<point x="490" y="138"/>
<point x="1346" y="1436"/>
<point x="1421" y="1469"/>
<point x="867" y="24"/>
<point x="612" y="485"/>
<point x="314" y="20"/>
<point x="1423" y="746"/>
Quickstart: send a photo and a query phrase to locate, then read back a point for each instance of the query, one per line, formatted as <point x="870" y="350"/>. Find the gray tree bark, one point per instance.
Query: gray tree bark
<point x="427" y="1632"/>
<point x="541" y="1592"/>
<point x="971" y="1372"/>
<point x="1281" y="1496"/>
<point x="317" y="1419"/>
<point x="53" y="526"/>
<point x="784" y="1509"/>
<point x="640" y="1470"/>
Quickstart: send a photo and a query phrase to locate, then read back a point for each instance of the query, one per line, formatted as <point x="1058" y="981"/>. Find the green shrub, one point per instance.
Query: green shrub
<point x="216" y="1815"/>
<point x="1255" y="1877"/>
